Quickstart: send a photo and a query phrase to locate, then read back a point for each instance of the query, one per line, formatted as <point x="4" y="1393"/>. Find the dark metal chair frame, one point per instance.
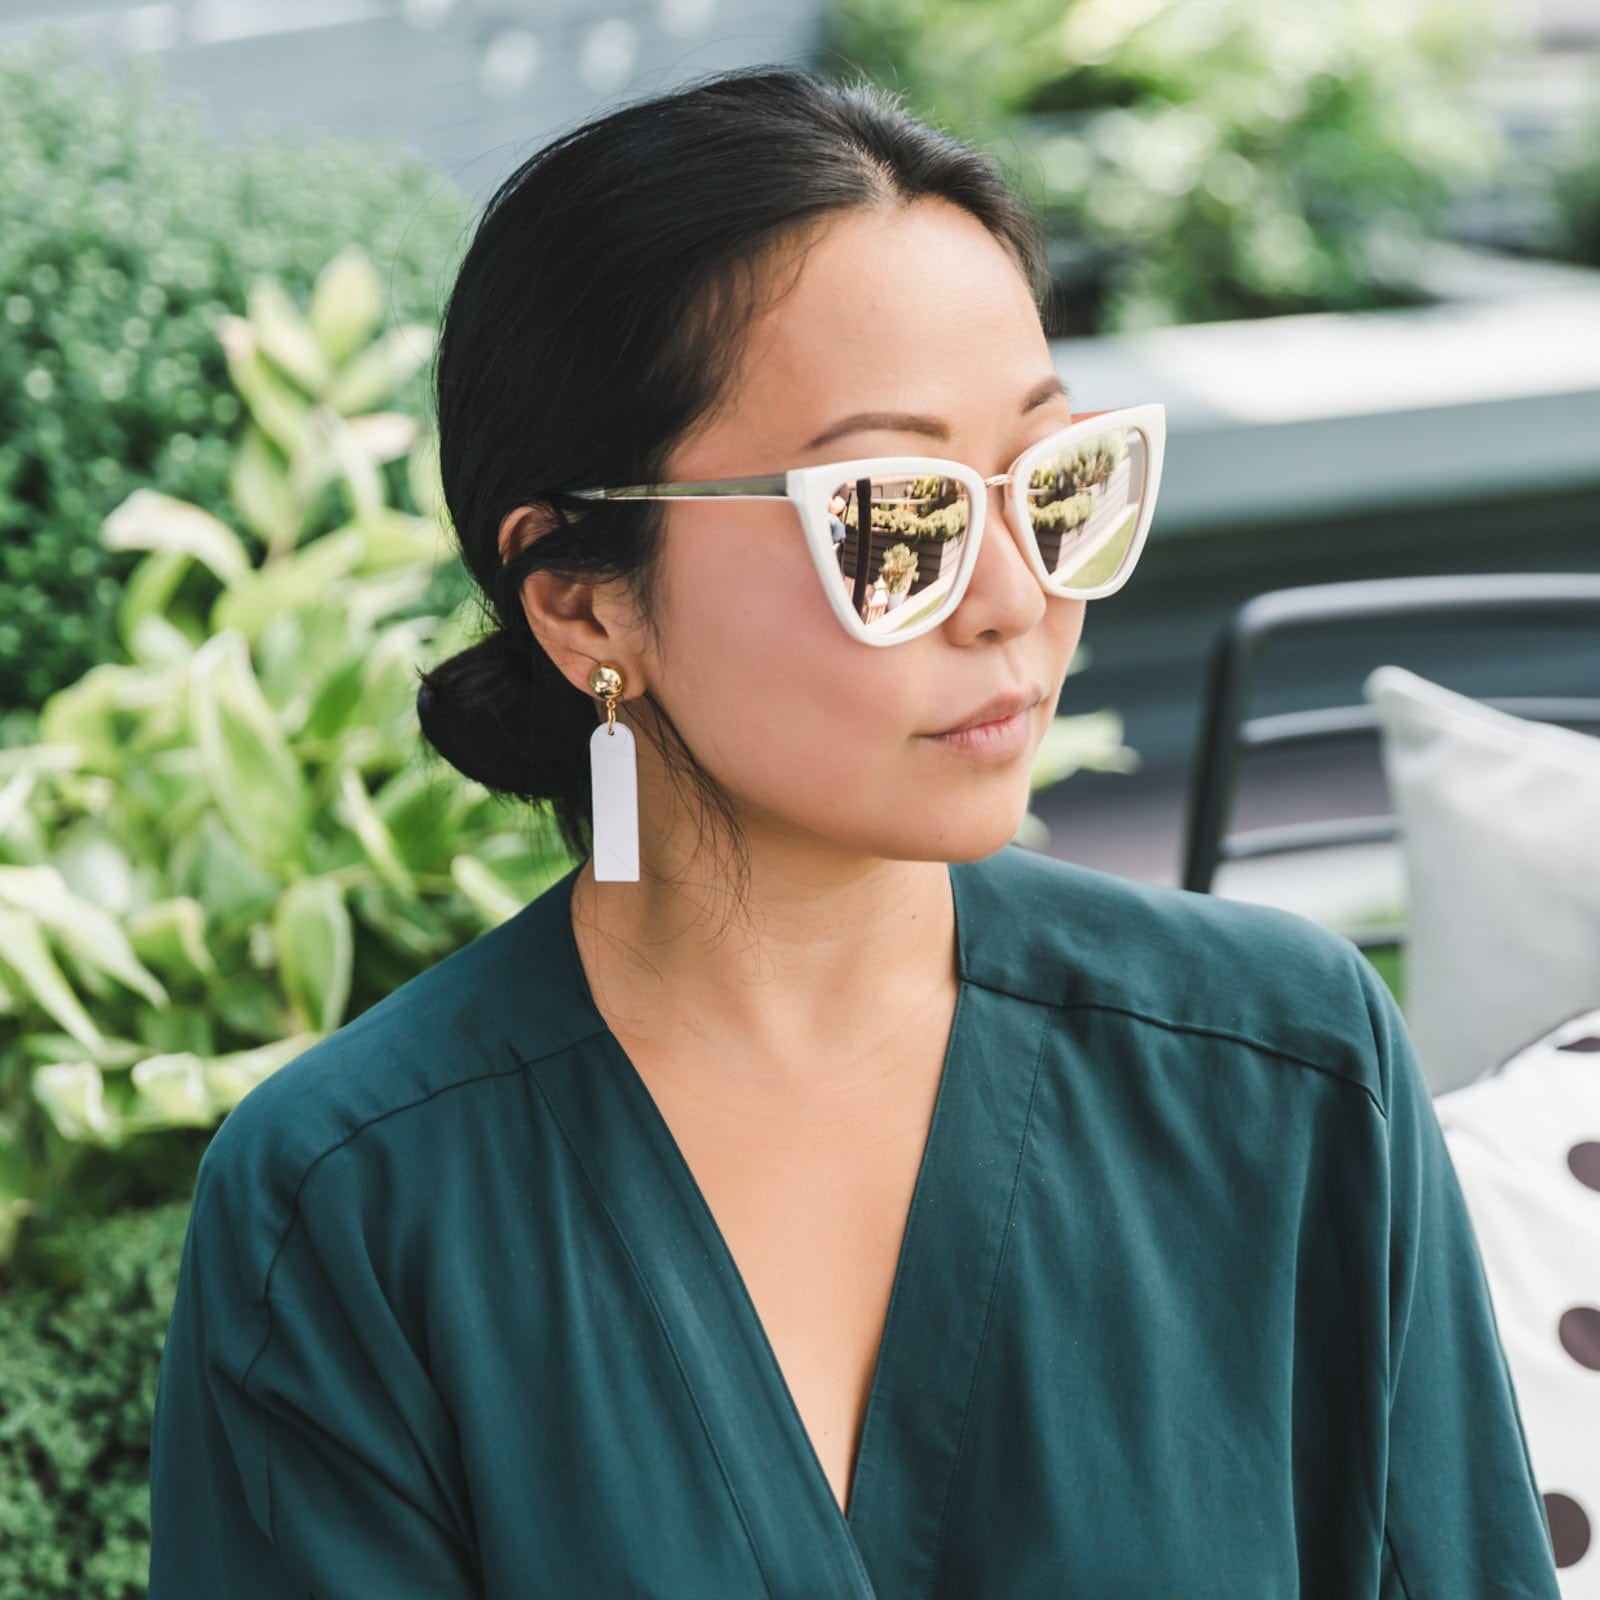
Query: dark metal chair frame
<point x="1228" y="735"/>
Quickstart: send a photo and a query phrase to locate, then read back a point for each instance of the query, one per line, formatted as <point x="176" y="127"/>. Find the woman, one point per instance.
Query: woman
<point x="813" y="1195"/>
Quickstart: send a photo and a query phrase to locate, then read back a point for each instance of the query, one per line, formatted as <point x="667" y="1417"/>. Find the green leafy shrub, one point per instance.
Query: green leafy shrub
<point x="898" y="568"/>
<point x="1053" y="516"/>
<point x="943" y="522"/>
<point x="1204" y="161"/>
<point x="129" y="229"/>
<point x="79" y="1357"/>
<point x="231" y="842"/>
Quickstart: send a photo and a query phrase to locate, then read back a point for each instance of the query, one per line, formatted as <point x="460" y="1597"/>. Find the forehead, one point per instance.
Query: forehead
<point x="914" y="308"/>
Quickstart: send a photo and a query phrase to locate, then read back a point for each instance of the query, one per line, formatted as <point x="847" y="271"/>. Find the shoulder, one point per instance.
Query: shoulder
<point x="480" y="1013"/>
<point x="1071" y="936"/>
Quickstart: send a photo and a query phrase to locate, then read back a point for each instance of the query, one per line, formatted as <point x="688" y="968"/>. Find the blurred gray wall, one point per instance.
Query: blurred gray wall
<point x="474" y="85"/>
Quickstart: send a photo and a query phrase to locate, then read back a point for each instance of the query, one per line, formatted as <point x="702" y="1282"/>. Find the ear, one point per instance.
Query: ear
<point x="579" y="624"/>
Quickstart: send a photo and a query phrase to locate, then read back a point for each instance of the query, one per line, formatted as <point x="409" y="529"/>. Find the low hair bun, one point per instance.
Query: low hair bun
<point x="501" y="714"/>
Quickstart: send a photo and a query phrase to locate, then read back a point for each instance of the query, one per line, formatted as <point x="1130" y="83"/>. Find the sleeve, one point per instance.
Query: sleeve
<point x="283" y="1466"/>
<point x="1463" y="1514"/>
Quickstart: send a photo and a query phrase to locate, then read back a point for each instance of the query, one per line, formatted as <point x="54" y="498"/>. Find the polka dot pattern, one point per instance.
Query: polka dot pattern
<point x="1579" y="1332"/>
<point x="1526" y="1140"/>
<point x="1583" y="1161"/>
<point x="1570" y="1532"/>
<point x="1580" y="1336"/>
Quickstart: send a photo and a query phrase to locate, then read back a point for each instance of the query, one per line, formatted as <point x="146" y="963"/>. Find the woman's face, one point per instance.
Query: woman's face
<point x="816" y="737"/>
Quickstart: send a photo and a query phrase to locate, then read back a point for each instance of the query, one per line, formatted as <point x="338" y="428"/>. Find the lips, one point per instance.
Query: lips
<point x="996" y="710"/>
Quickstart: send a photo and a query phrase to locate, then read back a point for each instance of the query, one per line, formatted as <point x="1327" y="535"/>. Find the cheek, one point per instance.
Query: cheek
<point x="779" y="703"/>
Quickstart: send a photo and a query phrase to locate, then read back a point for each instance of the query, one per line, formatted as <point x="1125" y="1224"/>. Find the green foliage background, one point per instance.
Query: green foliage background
<point x="225" y="844"/>
<point x="1575" y="190"/>
<point x="1207" y="160"/>
<point x="125" y="230"/>
<point x="78" y="1368"/>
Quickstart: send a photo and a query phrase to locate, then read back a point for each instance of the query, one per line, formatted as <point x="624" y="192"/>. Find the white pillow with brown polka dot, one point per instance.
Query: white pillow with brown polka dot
<point x="1525" y="1144"/>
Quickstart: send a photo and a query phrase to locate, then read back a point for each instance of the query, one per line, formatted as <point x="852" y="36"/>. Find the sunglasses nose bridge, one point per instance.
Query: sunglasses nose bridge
<point x="1009" y="511"/>
<point x="999" y="480"/>
<point x="1003" y="480"/>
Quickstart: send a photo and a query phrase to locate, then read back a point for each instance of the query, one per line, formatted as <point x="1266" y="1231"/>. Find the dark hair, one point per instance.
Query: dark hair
<point x="597" y="316"/>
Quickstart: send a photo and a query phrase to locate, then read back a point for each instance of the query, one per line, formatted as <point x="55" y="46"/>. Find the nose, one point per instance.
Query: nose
<point x="1003" y="596"/>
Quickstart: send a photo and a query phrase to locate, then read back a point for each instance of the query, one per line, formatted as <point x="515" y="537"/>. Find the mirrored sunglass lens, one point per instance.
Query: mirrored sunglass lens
<point x="903" y="571"/>
<point x="1084" y="504"/>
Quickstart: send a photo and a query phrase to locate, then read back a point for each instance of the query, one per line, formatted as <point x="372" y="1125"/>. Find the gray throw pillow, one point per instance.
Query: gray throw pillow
<point x="1499" y="818"/>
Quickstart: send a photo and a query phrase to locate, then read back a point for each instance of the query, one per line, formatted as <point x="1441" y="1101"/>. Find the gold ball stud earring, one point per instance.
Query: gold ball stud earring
<point x="608" y="682"/>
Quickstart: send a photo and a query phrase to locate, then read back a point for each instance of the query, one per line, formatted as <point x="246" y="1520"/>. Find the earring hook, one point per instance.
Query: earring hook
<point x="608" y="682"/>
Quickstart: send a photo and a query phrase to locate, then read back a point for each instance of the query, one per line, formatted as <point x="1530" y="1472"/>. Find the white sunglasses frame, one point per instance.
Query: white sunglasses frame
<point x="805" y="486"/>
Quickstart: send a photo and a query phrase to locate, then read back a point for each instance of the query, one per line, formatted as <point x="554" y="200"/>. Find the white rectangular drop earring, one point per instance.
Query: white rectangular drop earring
<point x="614" y="783"/>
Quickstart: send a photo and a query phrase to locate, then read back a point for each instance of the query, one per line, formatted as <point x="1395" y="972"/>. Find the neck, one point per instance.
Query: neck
<point x="803" y="971"/>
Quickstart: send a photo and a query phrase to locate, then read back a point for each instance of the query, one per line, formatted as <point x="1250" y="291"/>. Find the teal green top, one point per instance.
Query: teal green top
<point x="1188" y="1305"/>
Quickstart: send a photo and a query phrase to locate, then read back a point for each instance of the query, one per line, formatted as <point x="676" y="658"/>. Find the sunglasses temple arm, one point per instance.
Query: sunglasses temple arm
<point x="769" y="488"/>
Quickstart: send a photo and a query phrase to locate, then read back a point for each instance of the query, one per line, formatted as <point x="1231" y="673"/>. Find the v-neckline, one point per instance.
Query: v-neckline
<point x="674" y="1153"/>
<point x="959" y="1185"/>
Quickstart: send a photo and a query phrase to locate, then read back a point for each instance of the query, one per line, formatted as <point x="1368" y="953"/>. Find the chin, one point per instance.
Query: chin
<point x="963" y="833"/>
<point x="976" y="851"/>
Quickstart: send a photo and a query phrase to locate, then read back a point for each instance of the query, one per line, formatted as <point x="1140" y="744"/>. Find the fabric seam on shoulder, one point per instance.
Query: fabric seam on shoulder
<point x="1201" y="1028"/>
<point x="521" y="1065"/>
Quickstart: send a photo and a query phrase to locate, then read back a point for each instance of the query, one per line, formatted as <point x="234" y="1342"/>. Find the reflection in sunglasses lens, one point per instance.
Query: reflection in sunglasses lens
<point x="1084" y="504"/>
<point x="916" y="530"/>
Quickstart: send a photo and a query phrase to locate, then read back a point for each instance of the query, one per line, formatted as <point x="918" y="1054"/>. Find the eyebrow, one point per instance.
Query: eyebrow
<point x="906" y="422"/>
